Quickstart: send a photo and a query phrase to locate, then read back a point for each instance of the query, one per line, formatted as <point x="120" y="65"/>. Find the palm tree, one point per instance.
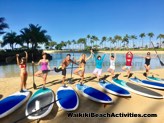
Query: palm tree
<point x="118" y="39"/>
<point x="110" y="39"/>
<point x="142" y="35"/>
<point x="104" y="39"/>
<point x="133" y="37"/>
<point x="25" y="36"/>
<point x="88" y="38"/>
<point x="125" y="40"/>
<point x="3" y="25"/>
<point x="73" y="42"/>
<point x="151" y="34"/>
<point x="35" y="35"/>
<point x="160" y="36"/>
<point x="0" y="43"/>
<point x="92" y="42"/>
<point x="68" y="43"/>
<point x="60" y="45"/>
<point x="11" y="39"/>
<point x="81" y="41"/>
<point x="50" y="45"/>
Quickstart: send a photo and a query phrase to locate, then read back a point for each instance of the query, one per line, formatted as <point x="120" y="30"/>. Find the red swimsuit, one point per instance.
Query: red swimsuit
<point x="23" y="66"/>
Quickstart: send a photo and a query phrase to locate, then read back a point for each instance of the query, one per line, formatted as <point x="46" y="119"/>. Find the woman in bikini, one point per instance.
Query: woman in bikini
<point x="111" y="69"/>
<point x="23" y="72"/>
<point x="82" y="62"/>
<point x="45" y="68"/>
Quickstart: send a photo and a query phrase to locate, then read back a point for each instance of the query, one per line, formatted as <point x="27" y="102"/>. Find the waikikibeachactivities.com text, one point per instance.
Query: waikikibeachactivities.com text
<point x="105" y="115"/>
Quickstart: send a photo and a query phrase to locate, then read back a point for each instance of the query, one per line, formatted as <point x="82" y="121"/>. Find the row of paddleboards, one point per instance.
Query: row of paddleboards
<point x="42" y="101"/>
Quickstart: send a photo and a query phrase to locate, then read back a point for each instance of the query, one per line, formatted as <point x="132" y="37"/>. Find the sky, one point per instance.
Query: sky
<point x="72" y="19"/>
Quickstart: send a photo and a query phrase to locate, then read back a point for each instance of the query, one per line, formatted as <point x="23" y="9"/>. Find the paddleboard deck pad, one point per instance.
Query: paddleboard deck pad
<point x="13" y="102"/>
<point x="137" y="89"/>
<point x="147" y="83"/>
<point x="40" y="99"/>
<point x="68" y="98"/>
<point x="93" y="94"/>
<point x="155" y="79"/>
<point x="114" y="89"/>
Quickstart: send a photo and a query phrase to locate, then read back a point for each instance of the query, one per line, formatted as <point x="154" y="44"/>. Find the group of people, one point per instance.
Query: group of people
<point x="80" y="71"/>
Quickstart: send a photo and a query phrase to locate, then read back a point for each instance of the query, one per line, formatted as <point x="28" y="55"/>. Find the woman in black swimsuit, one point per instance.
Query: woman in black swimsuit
<point x="147" y="63"/>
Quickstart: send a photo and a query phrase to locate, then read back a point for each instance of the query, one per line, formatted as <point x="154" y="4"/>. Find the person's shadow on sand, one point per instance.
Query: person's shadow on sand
<point x="1" y="96"/>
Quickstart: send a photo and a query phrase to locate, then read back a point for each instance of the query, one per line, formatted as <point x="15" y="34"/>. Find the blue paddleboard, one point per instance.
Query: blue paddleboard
<point x="40" y="99"/>
<point x="13" y="102"/>
<point x="93" y="94"/>
<point x="113" y="89"/>
<point x="147" y="83"/>
<point x="137" y="89"/>
<point x="68" y="98"/>
<point x="155" y="79"/>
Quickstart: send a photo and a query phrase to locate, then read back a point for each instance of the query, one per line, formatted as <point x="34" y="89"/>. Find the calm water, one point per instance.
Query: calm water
<point x="138" y="63"/>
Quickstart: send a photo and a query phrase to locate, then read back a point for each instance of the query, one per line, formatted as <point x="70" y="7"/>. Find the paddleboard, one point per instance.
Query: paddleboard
<point x="13" y="102"/>
<point x="114" y="89"/>
<point x="137" y="89"/>
<point x="68" y="98"/>
<point x="155" y="79"/>
<point x="147" y="83"/>
<point x="93" y="94"/>
<point x="39" y="99"/>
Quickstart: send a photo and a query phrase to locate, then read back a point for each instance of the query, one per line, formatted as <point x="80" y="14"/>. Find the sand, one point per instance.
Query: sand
<point x="120" y="52"/>
<point x="136" y="104"/>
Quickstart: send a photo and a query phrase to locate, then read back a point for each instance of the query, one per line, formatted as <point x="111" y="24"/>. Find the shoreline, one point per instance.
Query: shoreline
<point x="120" y="105"/>
<point x="102" y="51"/>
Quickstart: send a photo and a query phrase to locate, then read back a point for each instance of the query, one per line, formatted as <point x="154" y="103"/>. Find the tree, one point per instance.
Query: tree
<point x="3" y="25"/>
<point x="88" y="38"/>
<point x="142" y="35"/>
<point x="0" y="43"/>
<point x="50" y="45"/>
<point x="25" y="36"/>
<point x="81" y="41"/>
<point x="60" y="45"/>
<point x="74" y="43"/>
<point x="125" y="40"/>
<point x="94" y="39"/>
<point x="110" y="39"/>
<point x="35" y="35"/>
<point x="117" y="38"/>
<point x="10" y="38"/>
<point x="150" y="36"/>
<point x="133" y="37"/>
<point x="104" y="39"/>
<point x="160" y="36"/>
<point x="68" y="43"/>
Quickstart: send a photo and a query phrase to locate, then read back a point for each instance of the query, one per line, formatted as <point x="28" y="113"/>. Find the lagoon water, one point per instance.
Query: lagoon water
<point x="138" y="64"/>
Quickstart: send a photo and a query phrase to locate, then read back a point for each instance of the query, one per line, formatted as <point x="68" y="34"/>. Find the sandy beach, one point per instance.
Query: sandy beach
<point x="136" y="104"/>
<point x="101" y="51"/>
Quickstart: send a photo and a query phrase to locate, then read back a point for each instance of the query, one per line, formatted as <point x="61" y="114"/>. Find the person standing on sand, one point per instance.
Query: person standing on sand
<point x="148" y="58"/>
<point x="99" y="62"/>
<point x="82" y="62"/>
<point x="45" y="68"/>
<point x="23" y="72"/>
<point x="63" y="66"/>
<point x="112" y="59"/>
<point x="128" y="66"/>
